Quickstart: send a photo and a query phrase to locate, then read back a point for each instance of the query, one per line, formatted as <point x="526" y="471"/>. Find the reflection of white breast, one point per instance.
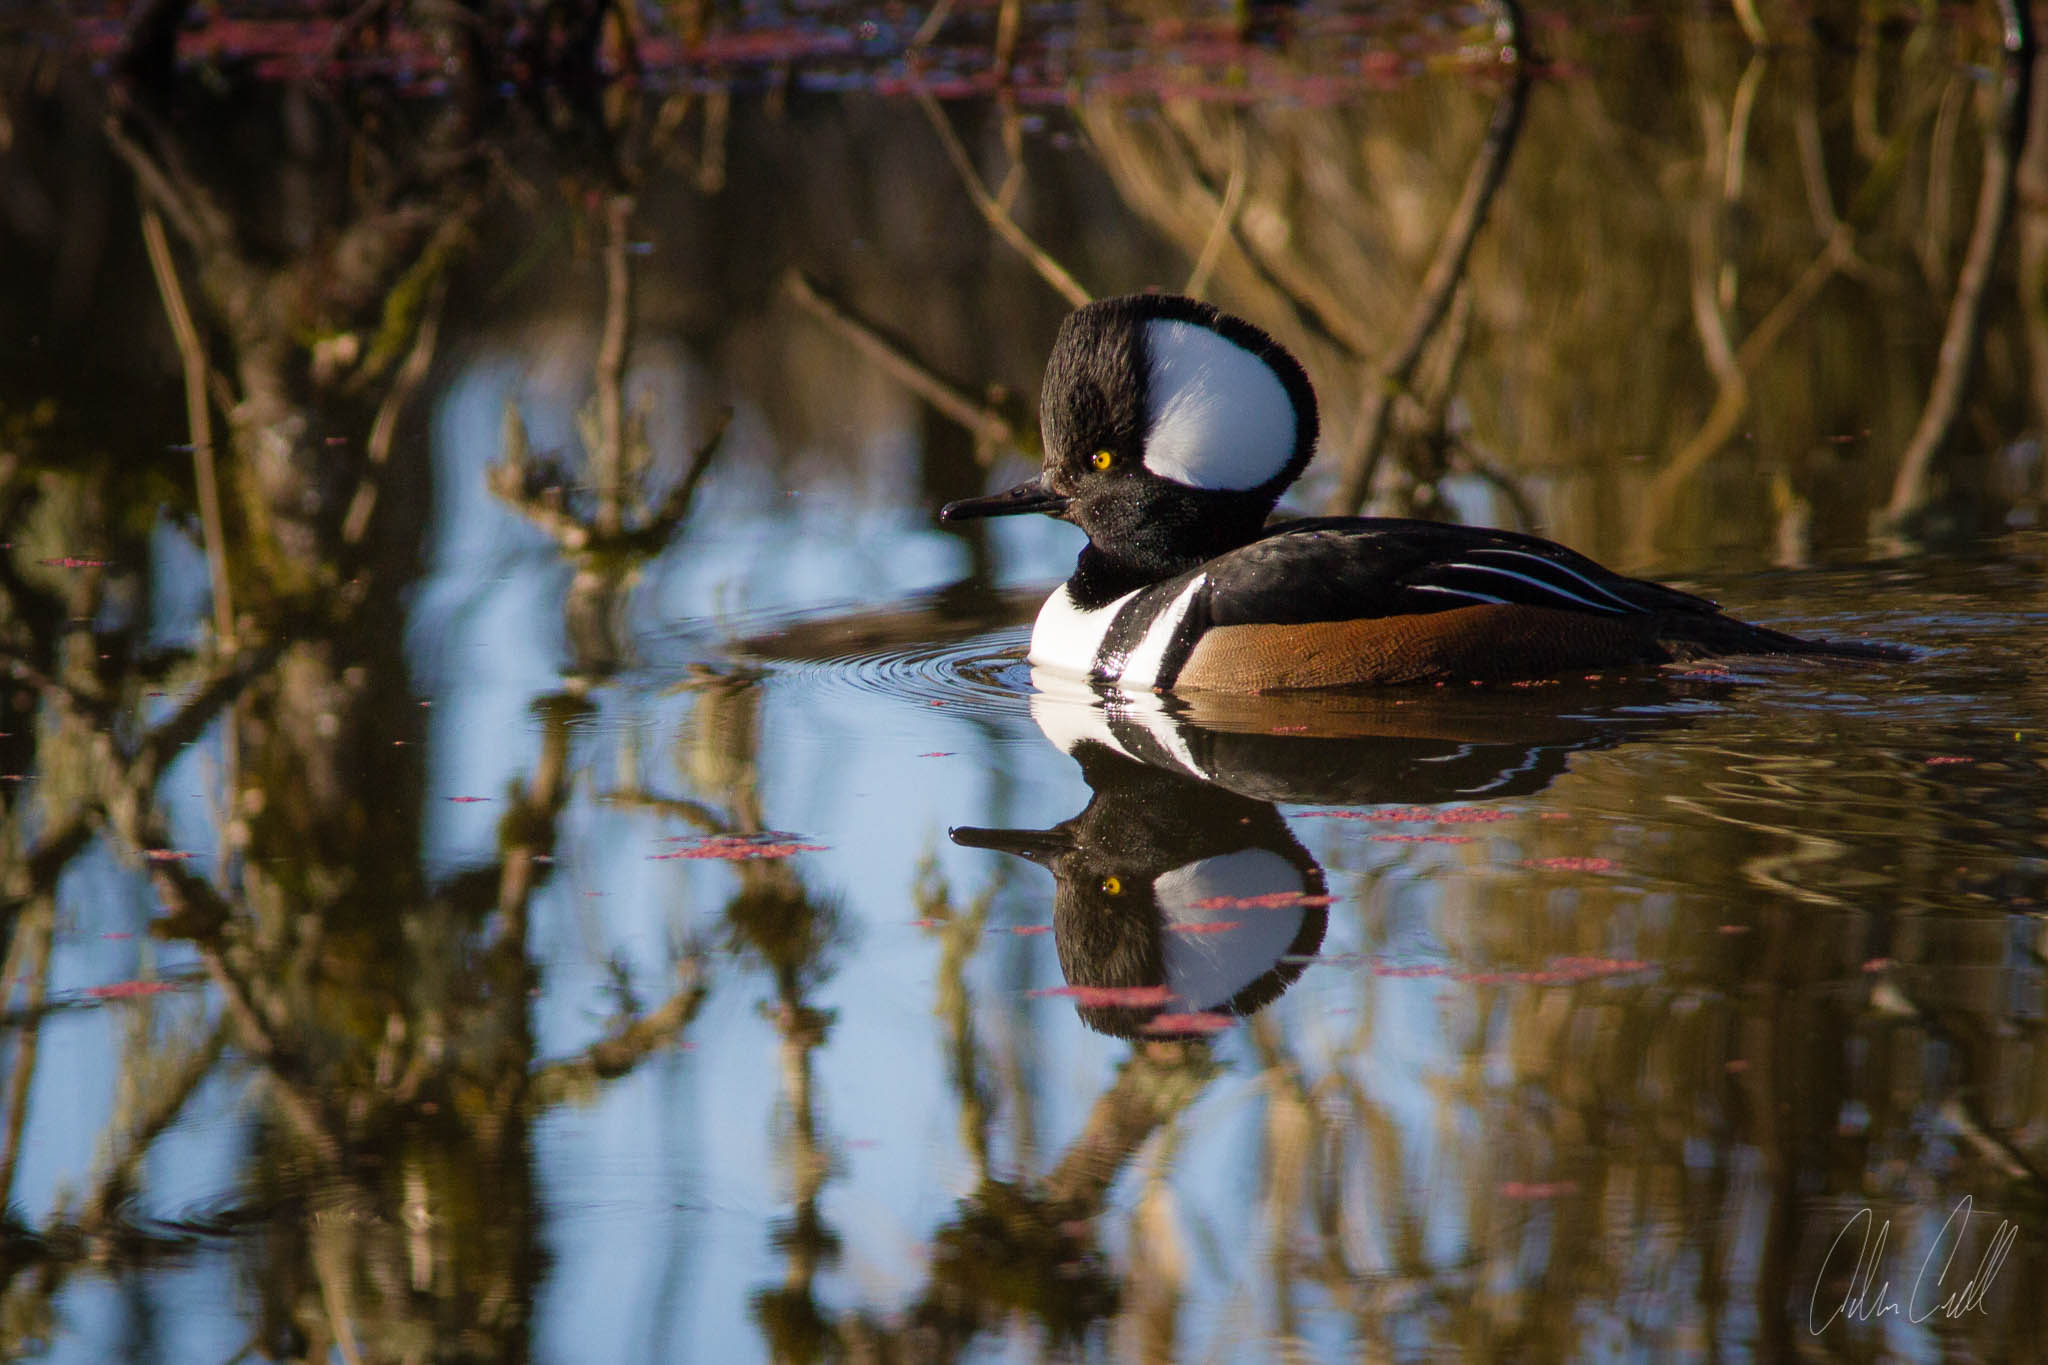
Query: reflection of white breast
<point x="1215" y="945"/>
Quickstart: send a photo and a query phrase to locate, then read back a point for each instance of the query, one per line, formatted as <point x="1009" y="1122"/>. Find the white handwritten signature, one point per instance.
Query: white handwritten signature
<point x="1868" y="1298"/>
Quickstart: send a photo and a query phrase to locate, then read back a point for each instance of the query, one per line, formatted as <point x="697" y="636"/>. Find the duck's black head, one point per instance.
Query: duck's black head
<point x="1171" y="429"/>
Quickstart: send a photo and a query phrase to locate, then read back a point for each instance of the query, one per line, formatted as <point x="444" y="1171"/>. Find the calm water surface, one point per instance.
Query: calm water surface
<point x="720" y="946"/>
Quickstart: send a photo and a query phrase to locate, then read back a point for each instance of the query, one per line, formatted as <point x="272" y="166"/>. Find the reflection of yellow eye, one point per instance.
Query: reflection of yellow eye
<point x="1111" y="886"/>
<point x="1102" y="460"/>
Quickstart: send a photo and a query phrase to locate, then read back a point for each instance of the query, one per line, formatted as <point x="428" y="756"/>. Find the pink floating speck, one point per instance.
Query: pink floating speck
<point x="1109" y="997"/>
<point x="1200" y="1021"/>
<point x="129" y="990"/>
<point x="1571" y="864"/>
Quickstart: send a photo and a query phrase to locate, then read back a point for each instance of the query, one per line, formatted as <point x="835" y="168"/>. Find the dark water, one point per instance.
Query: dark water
<point x="720" y="946"/>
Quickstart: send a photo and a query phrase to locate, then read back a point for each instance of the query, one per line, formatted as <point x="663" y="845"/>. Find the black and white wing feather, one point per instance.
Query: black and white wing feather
<point x="1342" y="568"/>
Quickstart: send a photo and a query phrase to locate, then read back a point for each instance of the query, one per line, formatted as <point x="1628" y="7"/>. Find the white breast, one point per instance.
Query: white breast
<point x="1066" y="637"/>
<point x="1069" y="638"/>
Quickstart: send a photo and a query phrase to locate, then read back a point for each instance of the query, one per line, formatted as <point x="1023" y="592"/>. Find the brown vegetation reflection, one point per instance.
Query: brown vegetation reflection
<point x="1727" y="299"/>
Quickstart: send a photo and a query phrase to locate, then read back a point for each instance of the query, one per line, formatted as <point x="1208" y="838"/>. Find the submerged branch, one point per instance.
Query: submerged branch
<point x="1489" y="168"/>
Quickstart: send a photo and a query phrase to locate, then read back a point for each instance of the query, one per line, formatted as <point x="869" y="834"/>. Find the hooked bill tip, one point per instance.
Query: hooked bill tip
<point x="1030" y="496"/>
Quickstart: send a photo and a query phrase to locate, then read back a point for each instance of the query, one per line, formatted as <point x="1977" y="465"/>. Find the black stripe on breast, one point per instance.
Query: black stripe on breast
<point x="1137" y="618"/>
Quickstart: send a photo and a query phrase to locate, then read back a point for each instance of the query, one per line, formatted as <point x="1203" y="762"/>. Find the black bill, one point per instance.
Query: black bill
<point x="1030" y="496"/>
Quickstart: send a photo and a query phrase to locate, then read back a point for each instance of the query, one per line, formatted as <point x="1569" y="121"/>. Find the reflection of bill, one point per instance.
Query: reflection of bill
<point x="1867" y="1298"/>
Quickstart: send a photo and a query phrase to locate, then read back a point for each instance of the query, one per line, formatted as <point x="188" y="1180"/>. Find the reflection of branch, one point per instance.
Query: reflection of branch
<point x="1733" y="398"/>
<point x="626" y="1046"/>
<point x="1960" y="341"/>
<point x="377" y="451"/>
<point x="1391" y="375"/>
<point x="1049" y="270"/>
<point x="32" y="942"/>
<point x="199" y="420"/>
<point x="690" y="812"/>
<point x="508" y="479"/>
<point x="221" y="687"/>
<point x="163" y="1098"/>
<point x="990" y="428"/>
<point x="1154" y="1084"/>
<point x="610" y="455"/>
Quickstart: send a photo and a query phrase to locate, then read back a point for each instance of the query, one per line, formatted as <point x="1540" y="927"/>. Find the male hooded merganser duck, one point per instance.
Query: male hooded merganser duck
<point x="1171" y="429"/>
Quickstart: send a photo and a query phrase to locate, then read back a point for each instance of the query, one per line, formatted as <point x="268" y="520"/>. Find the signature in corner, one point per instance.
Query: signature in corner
<point x="1868" y="1298"/>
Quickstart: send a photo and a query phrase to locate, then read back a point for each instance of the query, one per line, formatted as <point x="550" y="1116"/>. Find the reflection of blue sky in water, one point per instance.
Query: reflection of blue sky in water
<point x="662" y="1191"/>
<point x="661" y="1194"/>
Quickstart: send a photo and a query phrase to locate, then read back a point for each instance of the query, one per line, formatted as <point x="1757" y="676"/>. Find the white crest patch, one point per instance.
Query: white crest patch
<point x="1216" y="416"/>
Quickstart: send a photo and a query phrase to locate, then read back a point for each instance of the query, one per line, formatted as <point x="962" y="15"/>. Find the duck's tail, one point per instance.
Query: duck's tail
<point x="1689" y="636"/>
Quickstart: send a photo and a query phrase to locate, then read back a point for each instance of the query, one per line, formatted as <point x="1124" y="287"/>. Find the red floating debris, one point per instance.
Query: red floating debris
<point x="1571" y="864"/>
<point x="1943" y="760"/>
<point x="1537" y="1189"/>
<point x="1214" y="926"/>
<point x="74" y="562"/>
<point x="1024" y="930"/>
<point x="1423" y="839"/>
<point x="1420" y="815"/>
<point x="167" y="855"/>
<point x="129" y="990"/>
<point x="740" y="848"/>
<point x="1109" y="997"/>
<point x="467" y="800"/>
<point x="1202" y="1021"/>
<point x="1272" y="900"/>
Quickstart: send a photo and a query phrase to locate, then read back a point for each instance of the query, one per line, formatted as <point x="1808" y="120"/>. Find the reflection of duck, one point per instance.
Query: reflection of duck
<point x="1175" y="899"/>
<point x="1171" y="429"/>
<point x="1362" y="749"/>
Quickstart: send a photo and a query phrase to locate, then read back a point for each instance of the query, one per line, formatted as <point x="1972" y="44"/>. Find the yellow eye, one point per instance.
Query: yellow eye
<point x="1111" y="886"/>
<point x="1102" y="460"/>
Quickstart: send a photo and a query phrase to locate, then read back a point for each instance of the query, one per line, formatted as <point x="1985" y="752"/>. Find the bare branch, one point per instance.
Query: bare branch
<point x="1489" y="167"/>
<point x="1226" y="216"/>
<point x="1049" y="270"/>
<point x="1965" y="331"/>
<point x="990" y="427"/>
